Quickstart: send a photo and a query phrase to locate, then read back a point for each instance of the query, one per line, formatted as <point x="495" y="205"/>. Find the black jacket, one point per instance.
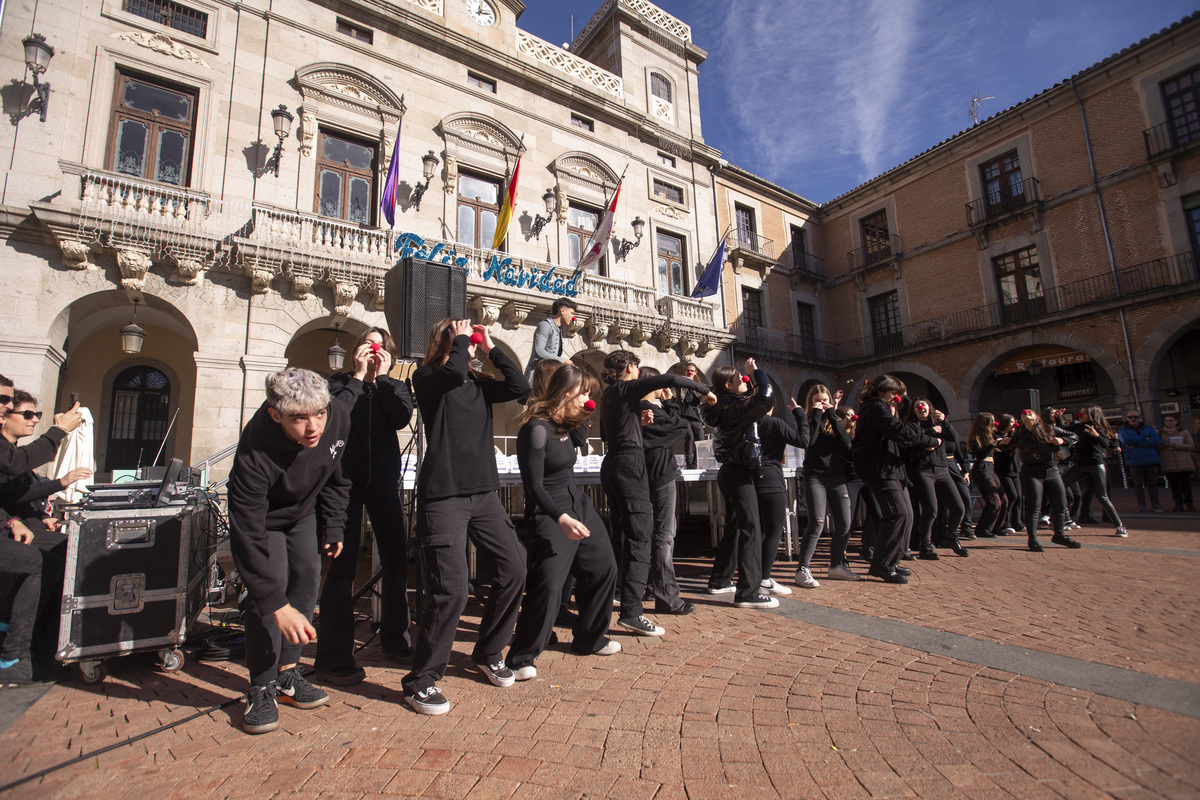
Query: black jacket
<point x="1034" y="452"/>
<point x="377" y="411"/>
<point x="667" y="430"/>
<point x="735" y="417"/>
<point x="275" y="483"/>
<point x="776" y="434"/>
<point x="827" y="456"/>
<point x="25" y="495"/>
<point x="15" y="460"/>
<point x="1089" y="450"/>
<point x="924" y="460"/>
<point x="879" y="437"/>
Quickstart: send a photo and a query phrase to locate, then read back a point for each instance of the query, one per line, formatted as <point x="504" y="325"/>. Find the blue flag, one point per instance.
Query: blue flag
<point x="387" y="201"/>
<point x="710" y="281"/>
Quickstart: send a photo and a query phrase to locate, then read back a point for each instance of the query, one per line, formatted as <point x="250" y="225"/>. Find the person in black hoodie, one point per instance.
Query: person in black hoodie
<point x="880" y="434"/>
<point x="623" y="476"/>
<point x="742" y="400"/>
<point x="456" y="498"/>
<point x="1008" y="470"/>
<point x="826" y="467"/>
<point x="775" y="434"/>
<point x="285" y="474"/>
<point x="1095" y="437"/>
<point x="379" y="406"/>
<point x="932" y="487"/>
<point x="1039" y="444"/>
<point x="982" y="442"/>
<point x="689" y="402"/>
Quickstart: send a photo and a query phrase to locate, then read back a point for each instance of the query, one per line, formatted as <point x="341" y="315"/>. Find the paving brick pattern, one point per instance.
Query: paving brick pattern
<point x="731" y="703"/>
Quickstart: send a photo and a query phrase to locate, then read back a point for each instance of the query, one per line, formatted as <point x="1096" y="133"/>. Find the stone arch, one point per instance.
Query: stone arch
<point x="955" y="407"/>
<point x="468" y="134"/>
<point x="972" y="383"/>
<point x="84" y="316"/>
<point x="577" y="169"/>
<point x="347" y="86"/>
<point x="806" y="379"/>
<point x="1154" y="349"/>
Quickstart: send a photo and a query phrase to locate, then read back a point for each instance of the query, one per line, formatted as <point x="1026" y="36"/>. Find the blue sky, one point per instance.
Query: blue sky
<point x="819" y="96"/>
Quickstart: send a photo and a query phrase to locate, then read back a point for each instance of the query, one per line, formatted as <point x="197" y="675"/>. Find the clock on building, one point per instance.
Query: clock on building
<point x="482" y="12"/>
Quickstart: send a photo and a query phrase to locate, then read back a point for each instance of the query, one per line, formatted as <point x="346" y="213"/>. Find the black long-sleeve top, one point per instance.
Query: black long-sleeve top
<point x="25" y="495"/>
<point x="934" y="460"/>
<point x="1008" y="464"/>
<point x="16" y="460"/>
<point x="879" y="437"/>
<point x="377" y="411"/>
<point x="275" y="483"/>
<point x="1089" y="450"/>
<point x="457" y="413"/>
<point x="776" y="434"/>
<point x="1035" y="452"/>
<point x="827" y="456"/>
<point x="546" y="459"/>
<point x="736" y="416"/>
<point x="621" y="408"/>
<point x="667" y="430"/>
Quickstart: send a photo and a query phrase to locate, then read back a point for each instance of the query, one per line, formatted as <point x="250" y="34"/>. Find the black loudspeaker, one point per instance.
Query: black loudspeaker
<point x="1017" y="400"/>
<point x="417" y="294"/>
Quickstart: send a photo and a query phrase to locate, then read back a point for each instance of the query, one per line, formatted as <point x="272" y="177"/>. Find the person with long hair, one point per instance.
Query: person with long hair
<point x="878" y="439"/>
<point x="456" y="499"/>
<point x="1091" y="449"/>
<point x="623" y="476"/>
<point x="1008" y="470"/>
<point x="1177" y="463"/>
<point x="742" y="400"/>
<point x="1038" y="444"/>
<point x="566" y="535"/>
<point x="379" y="407"/>
<point x="776" y="434"/>
<point x="982" y="442"/>
<point x="932" y="486"/>
<point x="827" y="458"/>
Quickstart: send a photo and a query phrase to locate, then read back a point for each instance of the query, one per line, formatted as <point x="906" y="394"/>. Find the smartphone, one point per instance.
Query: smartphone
<point x="74" y="399"/>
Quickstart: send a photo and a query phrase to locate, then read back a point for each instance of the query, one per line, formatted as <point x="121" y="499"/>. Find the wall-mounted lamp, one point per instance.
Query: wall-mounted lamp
<point x="37" y="59"/>
<point x="132" y="335"/>
<point x="1035" y="368"/>
<point x="429" y="163"/>
<point x="336" y="353"/>
<point x="623" y="246"/>
<point x="283" y="124"/>
<point x="539" y="222"/>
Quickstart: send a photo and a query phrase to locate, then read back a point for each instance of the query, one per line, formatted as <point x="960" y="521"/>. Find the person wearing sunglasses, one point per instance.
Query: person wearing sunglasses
<point x="17" y="460"/>
<point x="24" y="495"/>
<point x="1139" y="446"/>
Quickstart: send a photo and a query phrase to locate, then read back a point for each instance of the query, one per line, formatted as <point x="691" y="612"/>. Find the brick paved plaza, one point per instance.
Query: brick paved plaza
<point x="1005" y="674"/>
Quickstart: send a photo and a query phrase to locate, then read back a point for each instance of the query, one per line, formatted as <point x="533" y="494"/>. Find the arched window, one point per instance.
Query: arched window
<point x="141" y="401"/>
<point x="660" y="87"/>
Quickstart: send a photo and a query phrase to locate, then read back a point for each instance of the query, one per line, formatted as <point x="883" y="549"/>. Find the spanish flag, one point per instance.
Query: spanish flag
<point x="506" y="210"/>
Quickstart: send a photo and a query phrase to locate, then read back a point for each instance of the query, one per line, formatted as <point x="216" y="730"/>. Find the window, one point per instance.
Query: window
<point x="1002" y="187"/>
<point x="1191" y="212"/>
<point x="744" y="219"/>
<point x="581" y="223"/>
<point x="478" y="207"/>
<point x="364" y="35"/>
<point x="660" y="87"/>
<point x="1181" y="96"/>
<point x="666" y="160"/>
<point x="1019" y="284"/>
<point x="798" y="248"/>
<point x="152" y="131"/>
<point x="480" y="82"/>
<point x="752" y="308"/>
<point x="583" y="122"/>
<point x="670" y="264"/>
<point x="806" y="329"/>
<point x="141" y="406"/>
<point x="173" y="15"/>
<point x="345" y="178"/>
<point x="668" y="191"/>
<point x="1072" y="381"/>
<point x="885" y="321"/>
<point x="877" y="242"/>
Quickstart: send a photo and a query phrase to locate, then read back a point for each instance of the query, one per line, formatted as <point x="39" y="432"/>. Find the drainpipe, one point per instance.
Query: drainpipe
<point x="1112" y="261"/>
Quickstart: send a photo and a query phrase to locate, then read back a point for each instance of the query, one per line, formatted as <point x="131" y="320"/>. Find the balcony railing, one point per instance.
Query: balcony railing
<point x="995" y="205"/>
<point x="1164" y="139"/>
<point x="740" y="239"/>
<point x="778" y="346"/>
<point x="875" y="252"/>
<point x="804" y="263"/>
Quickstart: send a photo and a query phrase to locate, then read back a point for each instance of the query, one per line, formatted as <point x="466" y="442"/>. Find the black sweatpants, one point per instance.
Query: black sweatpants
<point x="552" y="558"/>
<point x="895" y="520"/>
<point x="1037" y="479"/>
<point x="933" y="488"/>
<point x="384" y="506"/>
<point x="443" y="527"/>
<point x="24" y="563"/>
<point x="631" y="515"/>
<point x="995" y="502"/>
<point x="294" y="553"/>
<point x="742" y="535"/>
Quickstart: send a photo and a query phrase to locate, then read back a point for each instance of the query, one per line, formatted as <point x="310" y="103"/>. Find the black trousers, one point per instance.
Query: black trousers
<point x="772" y="516"/>
<point x="552" y="558"/>
<point x="443" y="527"/>
<point x="1038" y="480"/>
<point x="895" y="520"/>
<point x="24" y="563"/>
<point x="995" y="502"/>
<point x="384" y="506"/>
<point x="931" y="490"/>
<point x="631" y="515"/>
<point x="743" y="533"/>
<point x="1012" y="493"/>
<point x="294" y="553"/>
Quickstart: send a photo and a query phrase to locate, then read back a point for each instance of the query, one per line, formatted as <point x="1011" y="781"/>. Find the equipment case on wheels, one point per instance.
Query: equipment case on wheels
<point x="135" y="581"/>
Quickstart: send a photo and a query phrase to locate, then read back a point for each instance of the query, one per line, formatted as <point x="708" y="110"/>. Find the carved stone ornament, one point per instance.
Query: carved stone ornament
<point x="687" y="347"/>
<point x="663" y="338"/>
<point x="670" y="211"/>
<point x="450" y="175"/>
<point x="572" y="328"/>
<point x="596" y="330"/>
<point x="134" y="265"/>
<point x="75" y="254"/>
<point x="486" y="311"/>
<point x="343" y="297"/>
<point x="161" y="43"/>
<point x="515" y="313"/>
<point x="619" y="330"/>
<point x="188" y="271"/>
<point x="260" y="279"/>
<point x="308" y="131"/>
<point x="377" y="296"/>
<point x="301" y="286"/>
<point x="703" y="347"/>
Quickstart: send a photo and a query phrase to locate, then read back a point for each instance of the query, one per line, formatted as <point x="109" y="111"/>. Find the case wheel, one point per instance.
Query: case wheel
<point x="92" y="672"/>
<point x="171" y="660"/>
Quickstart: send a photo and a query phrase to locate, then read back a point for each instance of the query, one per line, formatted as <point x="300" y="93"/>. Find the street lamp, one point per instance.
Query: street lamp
<point x="132" y="335"/>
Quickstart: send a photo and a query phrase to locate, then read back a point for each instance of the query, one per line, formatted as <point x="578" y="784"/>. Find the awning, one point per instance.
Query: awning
<point x="1049" y="355"/>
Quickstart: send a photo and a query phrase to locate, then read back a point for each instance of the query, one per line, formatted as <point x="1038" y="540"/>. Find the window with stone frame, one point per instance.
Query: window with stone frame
<point x="346" y="170"/>
<point x="752" y="308"/>
<point x="581" y="224"/>
<point x="152" y="130"/>
<point x="1191" y="212"/>
<point x="171" y="14"/>
<point x="886" y="330"/>
<point x="1019" y="285"/>
<point x="1002" y="185"/>
<point x="667" y="191"/>
<point x="660" y="87"/>
<point x="670" y="273"/>
<point x="876" y="238"/>
<point x="806" y="329"/>
<point x="1181" y="97"/>
<point x="478" y="208"/>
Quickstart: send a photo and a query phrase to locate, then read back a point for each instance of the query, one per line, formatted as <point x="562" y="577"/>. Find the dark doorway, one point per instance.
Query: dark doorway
<point x="141" y="401"/>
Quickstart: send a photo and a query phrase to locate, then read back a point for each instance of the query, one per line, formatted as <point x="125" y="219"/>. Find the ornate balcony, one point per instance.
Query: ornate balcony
<point x="748" y="249"/>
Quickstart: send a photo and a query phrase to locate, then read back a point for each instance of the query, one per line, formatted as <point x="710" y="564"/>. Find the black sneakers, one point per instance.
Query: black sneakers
<point x="498" y="673"/>
<point x="19" y="674"/>
<point x="759" y="600"/>
<point x="262" y="714"/>
<point x="291" y="688"/>
<point x="641" y="626"/>
<point x="1065" y="541"/>
<point x="428" y="701"/>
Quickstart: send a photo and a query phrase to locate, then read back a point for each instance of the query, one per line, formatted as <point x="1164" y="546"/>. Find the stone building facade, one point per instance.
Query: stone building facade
<point x="157" y="177"/>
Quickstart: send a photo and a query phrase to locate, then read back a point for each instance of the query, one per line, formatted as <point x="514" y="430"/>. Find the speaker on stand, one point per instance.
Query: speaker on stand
<point x="417" y="294"/>
<point x="1017" y="400"/>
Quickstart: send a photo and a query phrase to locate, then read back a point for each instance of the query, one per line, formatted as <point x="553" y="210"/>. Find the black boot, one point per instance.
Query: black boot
<point x="1034" y="545"/>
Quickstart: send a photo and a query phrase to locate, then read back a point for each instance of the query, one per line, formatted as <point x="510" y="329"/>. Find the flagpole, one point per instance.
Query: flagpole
<point x="591" y="239"/>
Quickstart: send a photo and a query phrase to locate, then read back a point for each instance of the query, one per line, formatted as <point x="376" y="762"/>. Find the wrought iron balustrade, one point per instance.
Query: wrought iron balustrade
<point x="1164" y="139"/>
<point x="874" y="252"/>
<point x="804" y="263"/>
<point x="998" y="204"/>
<point x="741" y="239"/>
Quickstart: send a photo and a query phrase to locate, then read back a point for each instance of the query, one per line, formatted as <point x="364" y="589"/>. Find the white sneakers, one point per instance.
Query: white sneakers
<point x="771" y="586"/>
<point x="805" y="579"/>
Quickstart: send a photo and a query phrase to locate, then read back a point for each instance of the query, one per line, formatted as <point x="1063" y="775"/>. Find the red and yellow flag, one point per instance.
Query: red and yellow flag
<point x="506" y="210"/>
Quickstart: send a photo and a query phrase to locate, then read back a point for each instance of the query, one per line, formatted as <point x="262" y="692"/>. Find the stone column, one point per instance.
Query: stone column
<point x="217" y="420"/>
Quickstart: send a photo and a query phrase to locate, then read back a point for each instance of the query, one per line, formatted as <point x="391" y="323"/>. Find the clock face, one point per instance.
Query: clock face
<point x="482" y="12"/>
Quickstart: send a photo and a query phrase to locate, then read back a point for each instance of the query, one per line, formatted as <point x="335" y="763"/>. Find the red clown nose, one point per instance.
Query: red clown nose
<point x="745" y="379"/>
<point x="590" y="405"/>
<point x="896" y="400"/>
<point x="855" y="417"/>
<point x="997" y="424"/>
<point x="574" y="318"/>
<point x="376" y="347"/>
<point x="476" y="337"/>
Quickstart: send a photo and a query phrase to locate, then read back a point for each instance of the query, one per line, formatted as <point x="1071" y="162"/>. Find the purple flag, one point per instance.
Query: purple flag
<point x="388" y="200"/>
